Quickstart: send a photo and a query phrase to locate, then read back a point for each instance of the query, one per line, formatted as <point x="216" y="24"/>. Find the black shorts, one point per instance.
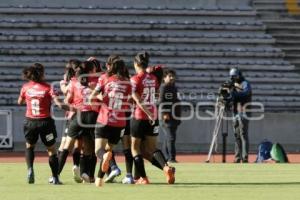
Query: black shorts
<point x="45" y="128"/>
<point x="142" y="128"/>
<point x="113" y="134"/>
<point x="66" y="128"/>
<point x="77" y="126"/>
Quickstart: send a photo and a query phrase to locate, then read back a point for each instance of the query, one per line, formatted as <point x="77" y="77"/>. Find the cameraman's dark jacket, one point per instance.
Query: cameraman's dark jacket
<point x="168" y="94"/>
<point x="241" y="96"/>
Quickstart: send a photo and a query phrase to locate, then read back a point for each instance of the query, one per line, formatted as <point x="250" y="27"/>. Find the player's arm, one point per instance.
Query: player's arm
<point x="69" y="97"/>
<point x="96" y="93"/>
<point x="63" y="86"/>
<point x="136" y="97"/>
<point x="21" y="99"/>
<point x="60" y="104"/>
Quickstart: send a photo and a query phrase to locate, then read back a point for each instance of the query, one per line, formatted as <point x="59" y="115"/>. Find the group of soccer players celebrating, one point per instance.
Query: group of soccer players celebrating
<point x="102" y="108"/>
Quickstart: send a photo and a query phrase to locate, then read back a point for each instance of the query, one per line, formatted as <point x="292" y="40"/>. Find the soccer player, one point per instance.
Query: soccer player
<point x="144" y="89"/>
<point x="37" y="95"/>
<point x="126" y="141"/>
<point x="113" y="170"/>
<point x="71" y="67"/>
<point x="115" y="89"/>
<point x="82" y="123"/>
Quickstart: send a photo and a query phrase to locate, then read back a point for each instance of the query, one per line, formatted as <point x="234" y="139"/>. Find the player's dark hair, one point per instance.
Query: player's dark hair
<point x="142" y="59"/>
<point x="88" y="66"/>
<point x="70" y="73"/>
<point x="83" y="71"/>
<point x="112" y="58"/>
<point x="34" y="73"/>
<point x="118" y="68"/>
<point x="126" y="73"/>
<point x="169" y="71"/>
<point x="158" y="72"/>
<point x="97" y="64"/>
<point x="73" y="63"/>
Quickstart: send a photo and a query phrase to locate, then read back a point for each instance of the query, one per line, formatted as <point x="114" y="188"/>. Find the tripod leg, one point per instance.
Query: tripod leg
<point x="215" y="132"/>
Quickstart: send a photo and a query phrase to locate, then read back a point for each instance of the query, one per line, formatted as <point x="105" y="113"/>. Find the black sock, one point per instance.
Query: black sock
<point x="58" y="153"/>
<point x="139" y="163"/>
<point x="76" y="156"/>
<point x="84" y="164"/>
<point x="160" y="160"/>
<point x="100" y="173"/>
<point x="29" y="155"/>
<point x="128" y="160"/>
<point x="93" y="162"/>
<point x="62" y="160"/>
<point x="155" y="163"/>
<point x="53" y="162"/>
<point x="136" y="174"/>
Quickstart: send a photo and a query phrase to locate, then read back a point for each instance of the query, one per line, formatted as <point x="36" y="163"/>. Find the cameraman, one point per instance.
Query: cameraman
<point x="241" y="96"/>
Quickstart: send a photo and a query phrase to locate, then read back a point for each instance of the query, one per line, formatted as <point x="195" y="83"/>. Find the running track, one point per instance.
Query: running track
<point x="18" y="157"/>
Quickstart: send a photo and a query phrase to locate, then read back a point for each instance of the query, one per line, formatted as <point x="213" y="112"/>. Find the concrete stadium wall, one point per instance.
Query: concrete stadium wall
<point x="195" y="135"/>
<point x="116" y="3"/>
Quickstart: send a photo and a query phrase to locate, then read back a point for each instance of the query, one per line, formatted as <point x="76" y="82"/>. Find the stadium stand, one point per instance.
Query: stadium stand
<point x="200" y="42"/>
<point x="282" y="22"/>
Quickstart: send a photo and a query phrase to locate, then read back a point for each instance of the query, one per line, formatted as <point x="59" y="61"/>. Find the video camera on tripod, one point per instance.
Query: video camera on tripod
<point x="224" y="95"/>
<point x="223" y="106"/>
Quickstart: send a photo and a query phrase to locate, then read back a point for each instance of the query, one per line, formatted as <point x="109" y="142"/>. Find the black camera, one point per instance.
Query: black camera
<point x="224" y="91"/>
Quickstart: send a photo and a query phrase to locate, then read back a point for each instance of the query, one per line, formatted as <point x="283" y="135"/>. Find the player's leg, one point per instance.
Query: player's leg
<point x="76" y="154"/>
<point x="31" y="137"/>
<point x="101" y="140"/>
<point x="73" y="133"/>
<point x="63" y="138"/>
<point x="92" y="159"/>
<point x="62" y="144"/>
<point x="128" y="179"/>
<point x="48" y="136"/>
<point x="29" y="155"/>
<point x="85" y="164"/>
<point x="100" y="144"/>
<point x="114" y="170"/>
<point x="53" y="163"/>
<point x="137" y="134"/>
<point x="158" y="159"/>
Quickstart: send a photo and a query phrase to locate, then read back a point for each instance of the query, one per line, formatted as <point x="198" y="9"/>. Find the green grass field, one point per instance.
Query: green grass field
<point x="193" y="181"/>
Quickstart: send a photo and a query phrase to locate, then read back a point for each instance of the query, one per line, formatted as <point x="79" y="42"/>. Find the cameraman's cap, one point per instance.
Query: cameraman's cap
<point x="234" y="72"/>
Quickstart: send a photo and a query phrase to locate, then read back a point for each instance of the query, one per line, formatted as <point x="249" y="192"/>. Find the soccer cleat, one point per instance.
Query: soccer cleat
<point x="85" y="178"/>
<point x="112" y="175"/>
<point x="170" y="174"/>
<point x="142" y="181"/>
<point x="76" y="174"/>
<point x="99" y="182"/>
<point x="105" y="163"/>
<point x="30" y="176"/>
<point x="92" y="179"/>
<point x="54" y="181"/>
<point x="128" y="180"/>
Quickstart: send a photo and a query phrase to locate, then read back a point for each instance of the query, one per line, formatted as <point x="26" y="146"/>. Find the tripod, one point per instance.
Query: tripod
<point x="222" y="110"/>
